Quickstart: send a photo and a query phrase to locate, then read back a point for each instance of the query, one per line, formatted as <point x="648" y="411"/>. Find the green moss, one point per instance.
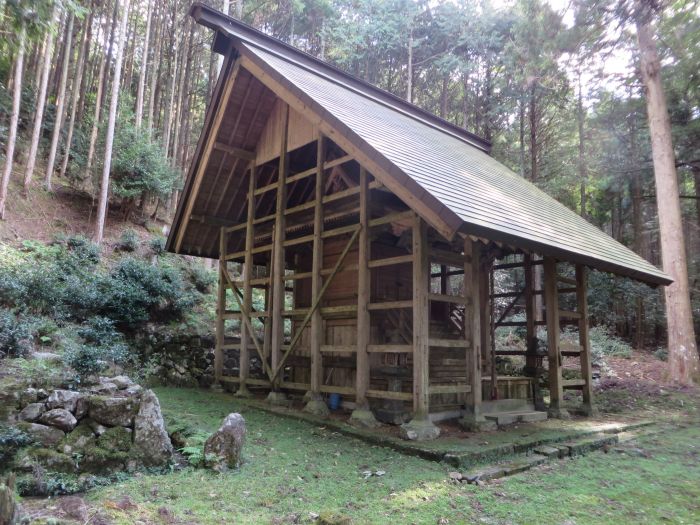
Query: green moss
<point x="115" y="438"/>
<point x="47" y="458"/>
<point x="98" y="460"/>
<point x="81" y="437"/>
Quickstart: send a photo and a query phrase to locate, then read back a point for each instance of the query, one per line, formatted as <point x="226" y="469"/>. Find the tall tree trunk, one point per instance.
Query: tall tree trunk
<point x="101" y="81"/>
<point x="60" y="102"/>
<point x="409" y="69"/>
<point x="77" y="82"/>
<point x="532" y="117"/>
<point x="40" y="103"/>
<point x="582" y="167"/>
<point x="109" y="140"/>
<point x="225" y="10"/>
<point x="14" y="119"/>
<point x="683" y="359"/>
<point x="156" y="71"/>
<point x="144" y="66"/>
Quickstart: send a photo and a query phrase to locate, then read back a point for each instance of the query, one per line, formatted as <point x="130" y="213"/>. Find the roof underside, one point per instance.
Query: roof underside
<point x="450" y="171"/>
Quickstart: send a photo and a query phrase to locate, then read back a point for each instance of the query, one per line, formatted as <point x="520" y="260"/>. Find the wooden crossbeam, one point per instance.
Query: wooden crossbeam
<point x="248" y="323"/>
<point x="235" y="152"/>
<point x="315" y="304"/>
<point x="509" y="308"/>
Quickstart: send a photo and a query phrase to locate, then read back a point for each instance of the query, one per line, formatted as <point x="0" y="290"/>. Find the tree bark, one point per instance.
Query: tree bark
<point x="60" y="102"/>
<point x="40" y="104"/>
<point x="582" y="167"/>
<point x="682" y="349"/>
<point x="109" y="140"/>
<point x="142" y="73"/>
<point x="14" y="119"/>
<point x="77" y="82"/>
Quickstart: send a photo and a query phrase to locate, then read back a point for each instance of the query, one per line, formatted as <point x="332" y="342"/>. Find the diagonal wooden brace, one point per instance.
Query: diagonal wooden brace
<point x="316" y="304"/>
<point x="246" y="319"/>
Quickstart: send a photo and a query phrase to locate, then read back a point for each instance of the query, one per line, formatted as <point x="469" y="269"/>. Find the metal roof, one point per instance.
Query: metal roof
<point x="446" y="168"/>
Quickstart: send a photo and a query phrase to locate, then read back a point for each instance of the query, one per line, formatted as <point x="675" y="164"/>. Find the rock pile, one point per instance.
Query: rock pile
<point x="112" y="426"/>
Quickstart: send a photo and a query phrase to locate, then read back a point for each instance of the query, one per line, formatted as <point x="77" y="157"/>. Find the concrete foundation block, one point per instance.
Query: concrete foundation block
<point x="419" y="430"/>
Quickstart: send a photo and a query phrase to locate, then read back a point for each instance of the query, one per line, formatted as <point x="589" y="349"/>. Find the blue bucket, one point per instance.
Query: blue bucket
<point x="334" y="401"/>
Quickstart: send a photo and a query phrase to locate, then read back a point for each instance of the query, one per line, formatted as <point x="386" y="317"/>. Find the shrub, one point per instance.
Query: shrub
<point x="129" y="241"/>
<point x="11" y="440"/>
<point x="157" y="245"/>
<point x="15" y="335"/>
<point x="202" y="278"/>
<point x="100" y="346"/>
<point x="603" y="343"/>
<point x="83" y="249"/>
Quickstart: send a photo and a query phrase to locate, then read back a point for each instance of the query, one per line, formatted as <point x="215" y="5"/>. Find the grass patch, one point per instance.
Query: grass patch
<point x="294" y="471"/>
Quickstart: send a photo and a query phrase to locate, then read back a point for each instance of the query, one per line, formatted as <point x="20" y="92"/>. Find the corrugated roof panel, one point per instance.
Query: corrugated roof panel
<point x="473" y="185"/>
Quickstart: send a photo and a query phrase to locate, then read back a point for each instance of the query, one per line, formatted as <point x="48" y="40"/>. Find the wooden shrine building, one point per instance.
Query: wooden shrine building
<point x="359" y="238"/>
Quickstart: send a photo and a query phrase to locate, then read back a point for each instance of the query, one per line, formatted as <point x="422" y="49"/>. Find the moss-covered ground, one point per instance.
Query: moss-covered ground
<point x="294" y="472"/>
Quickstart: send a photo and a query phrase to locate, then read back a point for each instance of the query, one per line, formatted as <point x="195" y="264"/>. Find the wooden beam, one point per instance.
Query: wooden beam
<point x="392" y="217"/>
<point x="235" y="152"/>
<point x="390" y="261"/>
<point x="390" y="305"/>
<point x="472" y="325"/>
<point x="208" y="148"/>
<point x="315" y="305"/>
<point x="316" y="336"/>
<point x="215" y="221"/>
<point x="220" y="312"/>
<point x="450" y="389"/>
<point x="584" y="339"/>
<point x="244" y="363"/>
<point x="531" y="361"/>
<point x="278" y="292"/>
<point x="390" y="349"/>
<point x="421" y="321"/>
<point x="551" y="297"/>
<point x="363" y="294"/>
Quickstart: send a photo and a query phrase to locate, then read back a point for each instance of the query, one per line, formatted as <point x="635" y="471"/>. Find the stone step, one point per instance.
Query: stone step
<point x="520" y="416"/>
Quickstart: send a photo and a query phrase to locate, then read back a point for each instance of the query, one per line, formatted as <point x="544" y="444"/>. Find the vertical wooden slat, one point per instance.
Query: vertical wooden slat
<point x="472" y="324"/>
<point x="584" y="340"/>
<point x="482" y="267"/>
<point x="267" y="329"/>
<point x="421" y="320"/>
<point x="244" y="365"/>
<point x="551" y="298"/>
<point x="363" y="292"/>
<point x="316" y="338"/>
<point x="278" y="294"/>
<point x="220" y="309"/>
<point x="531" y="340"/>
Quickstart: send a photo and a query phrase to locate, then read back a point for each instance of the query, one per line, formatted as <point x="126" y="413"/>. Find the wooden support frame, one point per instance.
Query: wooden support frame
<point x="278" y="288"/>
<point x="472" y="324"/>
<point x="363" y="297"/>
<point x="220" y="312"/>
<point x="244" y="363"/>
<point x="551" y="297"/>
<point x="584" y="339"/>
<point x="421" y="320"/>
<point x="316" y="336"/>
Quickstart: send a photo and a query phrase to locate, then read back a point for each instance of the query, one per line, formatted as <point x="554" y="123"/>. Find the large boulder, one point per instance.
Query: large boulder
<point x="66" y="399"/>
<point x="112" y="411"/>
<point x="152" y="445"/>
<point x="59" y="418"/>
<point x="32" y="412"/>
<point x="121" y="382"/>
<point x="224" y="447"/>
<point x="45" y="435"/>
<point x="81" y="437"/>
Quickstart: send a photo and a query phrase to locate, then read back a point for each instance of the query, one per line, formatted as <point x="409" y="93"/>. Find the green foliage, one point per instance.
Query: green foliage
<point x="604" y="343"/>
<point x="139" y="166"/>
<point x="100" y="345"/>
<point x="129" y="241"/>
<point x="157" y="245"/>
<point x="11" y="440"/>
<point x="194" y="449"/>
<point x="202" y="278"/>
<point x="15" y="335"/>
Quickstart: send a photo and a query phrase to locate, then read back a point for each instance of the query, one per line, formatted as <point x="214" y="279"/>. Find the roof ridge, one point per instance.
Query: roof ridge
<point x="204" y="15"/>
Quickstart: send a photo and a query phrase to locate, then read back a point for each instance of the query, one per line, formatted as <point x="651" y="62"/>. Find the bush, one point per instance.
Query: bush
<point x="157" y="245"/>
<point x="202" y="278"/>
<point x="15" y="335"/>
<point x="129" y="241"/>
<point x="83" y="249"/>
<point x="100" y="346"/>
<point x="11" y="440"/>
<point x="604" y="343"/>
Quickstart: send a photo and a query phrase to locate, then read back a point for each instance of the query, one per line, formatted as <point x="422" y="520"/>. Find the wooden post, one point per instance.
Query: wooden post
<point x="220" y="310"/>
<point x="278" y="283"/>
<point x="483" y="273"/>
<point x="267" y="329"/>
<point x="244" y="364"/>
<point x="551" y="298"/>
<point x="420" y="427"/>
<point x="584" y="340"/>
<point x="362" y="414"/>
<point x="315" y="404"/>
<point x="472" y="325"/>
<point x="532" y="363"/>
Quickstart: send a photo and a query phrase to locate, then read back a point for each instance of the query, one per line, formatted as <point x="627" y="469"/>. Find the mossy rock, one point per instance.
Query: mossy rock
<point x="115" y="438"/>
<point x="97" y="460"/>
<point x="333" y="518"/>
<point x="82" y="436"/>
<point x="47" y="458"/>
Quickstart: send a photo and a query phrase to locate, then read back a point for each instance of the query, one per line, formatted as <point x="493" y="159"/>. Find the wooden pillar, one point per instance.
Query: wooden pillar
<point x="533" y="363"/>
<point x="584" y="340"/>
<point x="244" y="364"/>
<point x="267" y="329"/>
<point x="363" y="292"/>
<point x="220" y="310"/>
<point x="472" y="324"/>
<point x="316" y="279"/>
<point x="315" y="405"/>
<point x="551" y="298"/>
<point x="482" y="268"/>
<point x="420" y="427"/>
<point x="278" y="284"/>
